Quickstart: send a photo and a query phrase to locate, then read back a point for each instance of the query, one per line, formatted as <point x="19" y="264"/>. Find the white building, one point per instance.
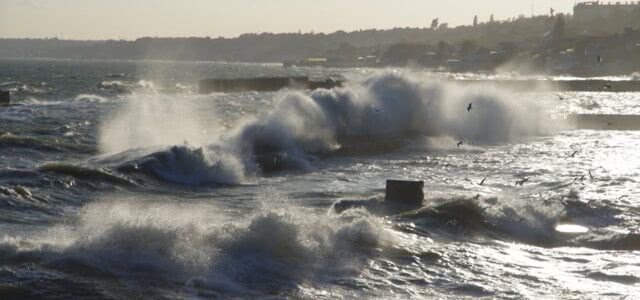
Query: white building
<point x="594" y="10"/>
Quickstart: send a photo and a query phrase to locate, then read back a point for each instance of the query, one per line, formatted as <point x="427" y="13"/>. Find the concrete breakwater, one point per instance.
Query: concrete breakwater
<point x="263" y="84"/>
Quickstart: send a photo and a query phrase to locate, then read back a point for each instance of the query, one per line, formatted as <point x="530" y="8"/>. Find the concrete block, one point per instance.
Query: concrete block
<point x="403" y="192"/>
<point x="5" y="98"/>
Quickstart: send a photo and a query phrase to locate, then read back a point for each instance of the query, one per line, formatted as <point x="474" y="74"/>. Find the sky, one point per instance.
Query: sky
<point x="131" y="19"/>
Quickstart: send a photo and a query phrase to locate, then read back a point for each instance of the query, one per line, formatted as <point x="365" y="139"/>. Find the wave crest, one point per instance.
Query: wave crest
<point x="385" y="107"/>
<point x="170" y="244"/>
<point x="190" y="166"/>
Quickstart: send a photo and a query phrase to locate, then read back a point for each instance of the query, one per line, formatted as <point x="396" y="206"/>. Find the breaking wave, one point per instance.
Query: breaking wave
<point x="523" y="220"/>
<point x="303" y="127"/>
<point x="512" y="218"/>
<point x="189" y="166"/>
<point x="159" y="244"/>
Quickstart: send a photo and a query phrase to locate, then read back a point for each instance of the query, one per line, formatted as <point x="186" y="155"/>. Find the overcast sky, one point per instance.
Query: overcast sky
<point x="130" y="19"/>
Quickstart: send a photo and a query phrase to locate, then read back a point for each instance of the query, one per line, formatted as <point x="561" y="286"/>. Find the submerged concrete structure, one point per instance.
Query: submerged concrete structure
<point x="404" y="192"/>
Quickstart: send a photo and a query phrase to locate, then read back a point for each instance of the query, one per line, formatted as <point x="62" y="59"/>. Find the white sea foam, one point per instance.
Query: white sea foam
<point x="91" y="98"/>
<point x="198" y="245"/>
<point x="301" y="126"/>
<point x="194" y="166"/>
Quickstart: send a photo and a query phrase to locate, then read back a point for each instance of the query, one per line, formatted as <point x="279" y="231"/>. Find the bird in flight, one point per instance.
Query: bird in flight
<point x="572" y="155"/>
<point x="459" y="144"/>
<point x="522" y="181"/>
<point x="483" y="179"/>
<point x="559" y="97"/>
<point x="600" y="59"/>
<point x="470" y="107"/>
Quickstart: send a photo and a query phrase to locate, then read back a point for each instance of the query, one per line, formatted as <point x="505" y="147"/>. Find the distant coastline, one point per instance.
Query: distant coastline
<point x="547" y="44"/>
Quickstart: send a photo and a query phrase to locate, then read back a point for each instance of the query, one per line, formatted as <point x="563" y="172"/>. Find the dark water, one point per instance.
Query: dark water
<point x="118" y="181"/>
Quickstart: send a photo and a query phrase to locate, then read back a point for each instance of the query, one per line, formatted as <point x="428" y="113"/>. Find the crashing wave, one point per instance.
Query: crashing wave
<point x="162" y="244"/>
<point x="189" y="166"/>
<point x="385" y="107"/>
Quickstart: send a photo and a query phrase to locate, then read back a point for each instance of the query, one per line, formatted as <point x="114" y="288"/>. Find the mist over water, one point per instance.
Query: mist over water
<point x="143" y="189"/>
<point x="151" y="120"/>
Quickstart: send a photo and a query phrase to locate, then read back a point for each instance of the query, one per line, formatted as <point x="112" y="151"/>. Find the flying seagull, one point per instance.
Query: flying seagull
<point x="477" y="197"/>
<point x="600" y="59"/>
<point x="573" y="154"/>
<point x="470" y="107"/>
<point x="459" y="143"/>
<point x="559" y="97"/>
<point x="607" y="86"/>
<point x="522" y="182"/>
<point x="483" y="179"/>
<point x="590" y="176"/>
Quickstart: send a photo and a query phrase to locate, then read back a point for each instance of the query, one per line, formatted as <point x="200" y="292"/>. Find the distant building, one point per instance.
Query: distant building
<point x="594" y="10"/>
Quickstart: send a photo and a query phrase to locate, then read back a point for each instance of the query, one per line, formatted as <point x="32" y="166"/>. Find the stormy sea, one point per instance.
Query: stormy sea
<point x="118" y="180"/>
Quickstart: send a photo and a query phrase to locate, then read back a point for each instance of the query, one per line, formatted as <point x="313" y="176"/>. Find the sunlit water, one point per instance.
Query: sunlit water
<point x="118" y="180"/>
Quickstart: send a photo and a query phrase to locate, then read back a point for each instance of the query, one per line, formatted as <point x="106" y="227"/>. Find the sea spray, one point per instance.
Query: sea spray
<point x="161" y="242"/>
<point x="194" y="166"/>
<point x="301" y="127"/>
<point x="149" y="120"/>
<point x="386" y="106"/>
